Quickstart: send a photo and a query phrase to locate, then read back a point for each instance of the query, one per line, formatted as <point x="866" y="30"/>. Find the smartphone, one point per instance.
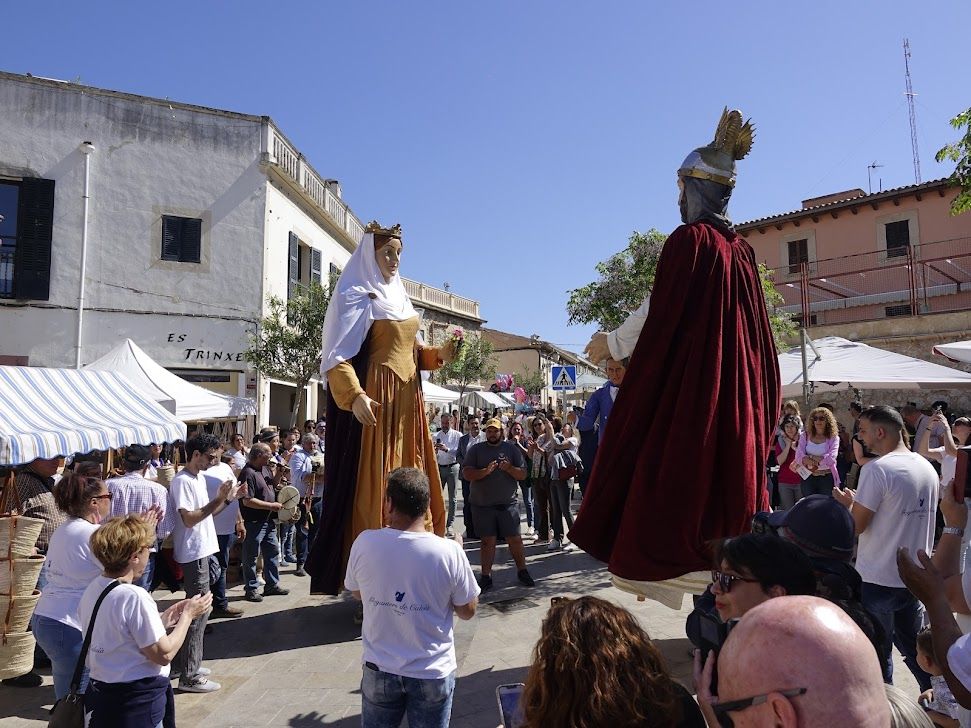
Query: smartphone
<point x="962" y="481"/>
<point x="510" y="711"/>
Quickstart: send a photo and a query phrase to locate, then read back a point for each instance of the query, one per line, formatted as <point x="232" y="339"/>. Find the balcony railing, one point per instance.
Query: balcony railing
<point x="420" y="293"/>
<point x="924" y="279"/>
<point x="6" y="273"/>
<point x="288" y="160"/>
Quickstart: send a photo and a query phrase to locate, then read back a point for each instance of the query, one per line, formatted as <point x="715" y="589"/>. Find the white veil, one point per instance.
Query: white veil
<point x="361" y="297"/>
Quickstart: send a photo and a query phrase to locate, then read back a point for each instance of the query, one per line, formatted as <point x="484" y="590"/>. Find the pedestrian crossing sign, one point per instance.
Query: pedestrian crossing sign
<point x="564" y="378"/>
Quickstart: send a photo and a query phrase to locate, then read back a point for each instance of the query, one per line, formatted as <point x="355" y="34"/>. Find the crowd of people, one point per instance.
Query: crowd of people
<point x="862" y="552"/>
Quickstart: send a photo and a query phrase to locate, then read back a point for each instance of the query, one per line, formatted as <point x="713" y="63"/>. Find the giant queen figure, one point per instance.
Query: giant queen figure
<point x="683" y="460"/>
<point x="375" y="414"/>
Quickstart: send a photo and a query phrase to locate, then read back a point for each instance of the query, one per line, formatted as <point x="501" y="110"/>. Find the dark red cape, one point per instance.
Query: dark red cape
<point x="682" y="462"/>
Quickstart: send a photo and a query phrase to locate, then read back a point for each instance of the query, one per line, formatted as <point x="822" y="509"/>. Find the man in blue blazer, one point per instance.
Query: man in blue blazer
<point x="599" y="406"/>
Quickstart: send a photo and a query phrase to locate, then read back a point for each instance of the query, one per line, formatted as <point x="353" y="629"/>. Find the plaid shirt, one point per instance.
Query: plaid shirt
<point x="37" y="501"/>
<point x="132" y="493"/>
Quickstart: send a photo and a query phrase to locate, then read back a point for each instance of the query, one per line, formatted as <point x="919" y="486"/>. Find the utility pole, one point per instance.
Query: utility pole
<point x="912" y="112"/>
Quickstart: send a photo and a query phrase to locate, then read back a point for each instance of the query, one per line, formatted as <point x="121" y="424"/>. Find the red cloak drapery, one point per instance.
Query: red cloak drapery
<point x="682" y="462"/>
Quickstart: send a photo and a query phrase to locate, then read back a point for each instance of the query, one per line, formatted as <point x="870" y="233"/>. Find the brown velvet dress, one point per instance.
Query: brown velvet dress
<point x="401" y="437"/>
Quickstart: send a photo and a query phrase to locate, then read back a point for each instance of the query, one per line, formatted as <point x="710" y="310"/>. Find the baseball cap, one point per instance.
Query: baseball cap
<point x="139" y="454"/>
<point x="493" y="422"/>
<point x="818" y="524"/>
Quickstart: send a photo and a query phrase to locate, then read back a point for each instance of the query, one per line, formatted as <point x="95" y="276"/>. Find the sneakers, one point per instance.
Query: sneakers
<point x="568" y="546"/>
<point x="485" y="582"/>
<point x="299" y="571"/>
<point x="531" y="532"/>
<point x="554" y="545"/>
<point x="226" y="612"/>
<point x="290" y="559"/>
<point x="275" y="591"/>
<point x="201" y="672"/>
<point x="199" y="685"/>
<point x="449" y="533"/>
<point x="253" y="596"/>
<point x="524" y="578"/>
<point x="29" y="680"/>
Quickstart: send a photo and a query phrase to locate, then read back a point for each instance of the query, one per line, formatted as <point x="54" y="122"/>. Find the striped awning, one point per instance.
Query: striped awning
<point x="46" y="413"/>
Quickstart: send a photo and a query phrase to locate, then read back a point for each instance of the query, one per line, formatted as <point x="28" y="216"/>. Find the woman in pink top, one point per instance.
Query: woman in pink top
<point x="818" y="447"/>
<point x="785" y="454"/>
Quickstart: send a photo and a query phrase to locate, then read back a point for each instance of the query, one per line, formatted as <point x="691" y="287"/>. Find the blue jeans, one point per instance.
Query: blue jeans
<point x="386" y="698"/>
<point x="450" y="474"/>
<point x="226" y="541"/>
<point x="260" y="537"/>
<point x="61" y="643"/>
<point x="145" y="580"/>
<point x="901" y="616"/>
<point x="286" y="540"/>
<point x="527" y="488"/>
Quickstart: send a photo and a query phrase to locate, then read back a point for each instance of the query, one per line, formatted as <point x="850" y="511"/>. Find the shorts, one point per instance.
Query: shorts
<point x="493" y="521"/>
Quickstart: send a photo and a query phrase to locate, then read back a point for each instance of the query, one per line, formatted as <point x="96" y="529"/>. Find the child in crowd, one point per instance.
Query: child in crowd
<point x="938" y="702"/>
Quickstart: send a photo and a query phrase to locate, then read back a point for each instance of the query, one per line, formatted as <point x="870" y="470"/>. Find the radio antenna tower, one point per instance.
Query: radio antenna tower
<point x="912" y="112"/>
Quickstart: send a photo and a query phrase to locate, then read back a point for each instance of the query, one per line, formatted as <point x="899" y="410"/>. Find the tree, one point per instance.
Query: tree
<point x="627" y="277"/>
<point x="474" y="362"/>
<point x="960" y="153"/>
<point x="532" y="381"/>
<point x="287" y="341"/>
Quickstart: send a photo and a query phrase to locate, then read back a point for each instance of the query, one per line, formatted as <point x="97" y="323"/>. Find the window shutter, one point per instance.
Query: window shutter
<point x="898" y="238"/>
<point x="294" y="268"/>
<point x="316" y="263"/>
<point x="191" y="240"/>
<point x="171" y="238"/>
<point x="35" y="232"/>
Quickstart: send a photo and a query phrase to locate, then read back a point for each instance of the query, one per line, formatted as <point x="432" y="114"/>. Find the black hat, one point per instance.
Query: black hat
<point x="818" y="524"/>
<point x="137" y="454"/>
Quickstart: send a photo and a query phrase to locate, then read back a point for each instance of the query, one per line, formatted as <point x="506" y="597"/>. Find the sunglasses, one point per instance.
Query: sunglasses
<point x="722" y="710"/>
<point x="819" y="419"/>
<point x="725" y="581"/>
<point x="103" y="495"/>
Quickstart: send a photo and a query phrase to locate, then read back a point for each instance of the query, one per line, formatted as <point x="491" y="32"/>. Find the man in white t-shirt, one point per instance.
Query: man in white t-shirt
<point x="229" y="527"/>
<point x="411" y="582"/>
<point x="894" y="506"/>
<point x="194" y="539"/>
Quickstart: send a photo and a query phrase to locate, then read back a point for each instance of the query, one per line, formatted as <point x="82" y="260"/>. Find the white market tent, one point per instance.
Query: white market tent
<point x="189" y="402"/>
<point x="434" y="394"/>
<point x="958" y="351"/>
<point x="484" y="399"/>
<point x="47" y="413"/>
<point x="589" y="381"/>
<point x="836" y="363"/>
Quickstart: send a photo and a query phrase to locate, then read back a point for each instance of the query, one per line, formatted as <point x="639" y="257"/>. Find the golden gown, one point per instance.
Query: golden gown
<point x="401" y="437"/>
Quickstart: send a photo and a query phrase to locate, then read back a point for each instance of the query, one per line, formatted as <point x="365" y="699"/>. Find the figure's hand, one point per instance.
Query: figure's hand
<point x="365" y="410"/>
<point x="276" y="507"/>
<point x="597" y="350"/>
<point x="171" y="615"/>
<point x="955" y="512"/>
<point x="448" y="352"/>
<point x="809" y="463"/>
<point x="227" y="490"/>
<point x="924" y="580"/>
<point x="240" y="531"/>
<point x="491" y="467"/>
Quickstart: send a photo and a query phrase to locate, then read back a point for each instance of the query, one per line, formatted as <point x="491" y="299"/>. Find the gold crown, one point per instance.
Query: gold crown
<point x="375" y="227"/>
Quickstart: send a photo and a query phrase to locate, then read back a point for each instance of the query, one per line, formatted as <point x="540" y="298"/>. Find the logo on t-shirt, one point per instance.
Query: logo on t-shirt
<point x="398" y="596"/>
<point x="399" y="606"/>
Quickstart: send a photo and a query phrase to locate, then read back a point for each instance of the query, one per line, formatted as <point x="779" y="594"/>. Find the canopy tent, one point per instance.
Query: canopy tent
<point x="47" y="413"/>
<point x="589" y="381"/>
<point x="837" y="363"/>
<point x="189" y="402"/>
<point x="959" y="351"/>
<point x="435" y="394"/>
<point x="483" y="399"/>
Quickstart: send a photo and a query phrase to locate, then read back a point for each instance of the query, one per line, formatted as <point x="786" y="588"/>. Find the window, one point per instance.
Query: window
<point x="798" y="254"/>
<point x="903" y="309"/>
<point x="181" y="239"/>
<point x="26" y="235"/>
<point x="898" y="238"/>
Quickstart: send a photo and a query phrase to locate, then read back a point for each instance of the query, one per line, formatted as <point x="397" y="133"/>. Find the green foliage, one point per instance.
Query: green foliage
<point x="286" y="344"/>
<point x="531" y="380"/>
<point x="475" y="362"/>
<point x="960" y="153"/>
<point x="627" y="277"/>
<point x="625" y="280"/>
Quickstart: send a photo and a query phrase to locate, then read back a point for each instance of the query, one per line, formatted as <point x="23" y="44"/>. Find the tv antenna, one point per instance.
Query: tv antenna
<point x="869" y="183"/>
<point x="911" y="111"/>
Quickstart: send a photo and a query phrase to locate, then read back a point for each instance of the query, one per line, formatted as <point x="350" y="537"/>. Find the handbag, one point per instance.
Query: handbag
<point x="68" y="712"/>
<point x="567" y="465"/>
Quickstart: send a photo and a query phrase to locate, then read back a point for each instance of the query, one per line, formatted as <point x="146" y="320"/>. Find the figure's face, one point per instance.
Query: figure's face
<point x="238" y="442"/>
<point x="869" y="434"/>
<point x="388" y="257"/>
<point x="615" y="372"/>
<point x="155" y="450"/>
<point x="962" y="432"/>
<point x="819" y="424"/>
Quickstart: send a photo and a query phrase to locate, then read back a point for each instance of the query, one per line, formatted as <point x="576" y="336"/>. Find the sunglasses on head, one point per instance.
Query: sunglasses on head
<point x="725" y="581"/>
<point x="722" y="710"/>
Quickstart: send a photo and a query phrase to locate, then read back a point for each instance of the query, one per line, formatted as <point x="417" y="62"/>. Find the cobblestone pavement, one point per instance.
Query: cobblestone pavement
<point x="296" y="660"/>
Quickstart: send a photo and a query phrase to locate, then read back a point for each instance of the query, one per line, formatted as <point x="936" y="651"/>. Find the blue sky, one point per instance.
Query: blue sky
<point x="518" y="143"/>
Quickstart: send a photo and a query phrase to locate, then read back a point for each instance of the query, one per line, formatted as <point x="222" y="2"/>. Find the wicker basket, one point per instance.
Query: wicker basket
<point x="164" y="474"/>
<point x="16" y="654"/>
<point x="15" y="612"/>
<point x="18" y="534"/>
<point x="18" y="577"/>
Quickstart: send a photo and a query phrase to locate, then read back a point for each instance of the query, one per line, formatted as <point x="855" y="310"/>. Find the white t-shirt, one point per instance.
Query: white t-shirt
<point x="70" y="568"/>
<point x="127" y="621"/>
<point x="239" y="458"/>
<point x="225" y="521"/>
<point x="189" y="492"/>
<point x="408" y="583"/>
<point x="901" y="489"/>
